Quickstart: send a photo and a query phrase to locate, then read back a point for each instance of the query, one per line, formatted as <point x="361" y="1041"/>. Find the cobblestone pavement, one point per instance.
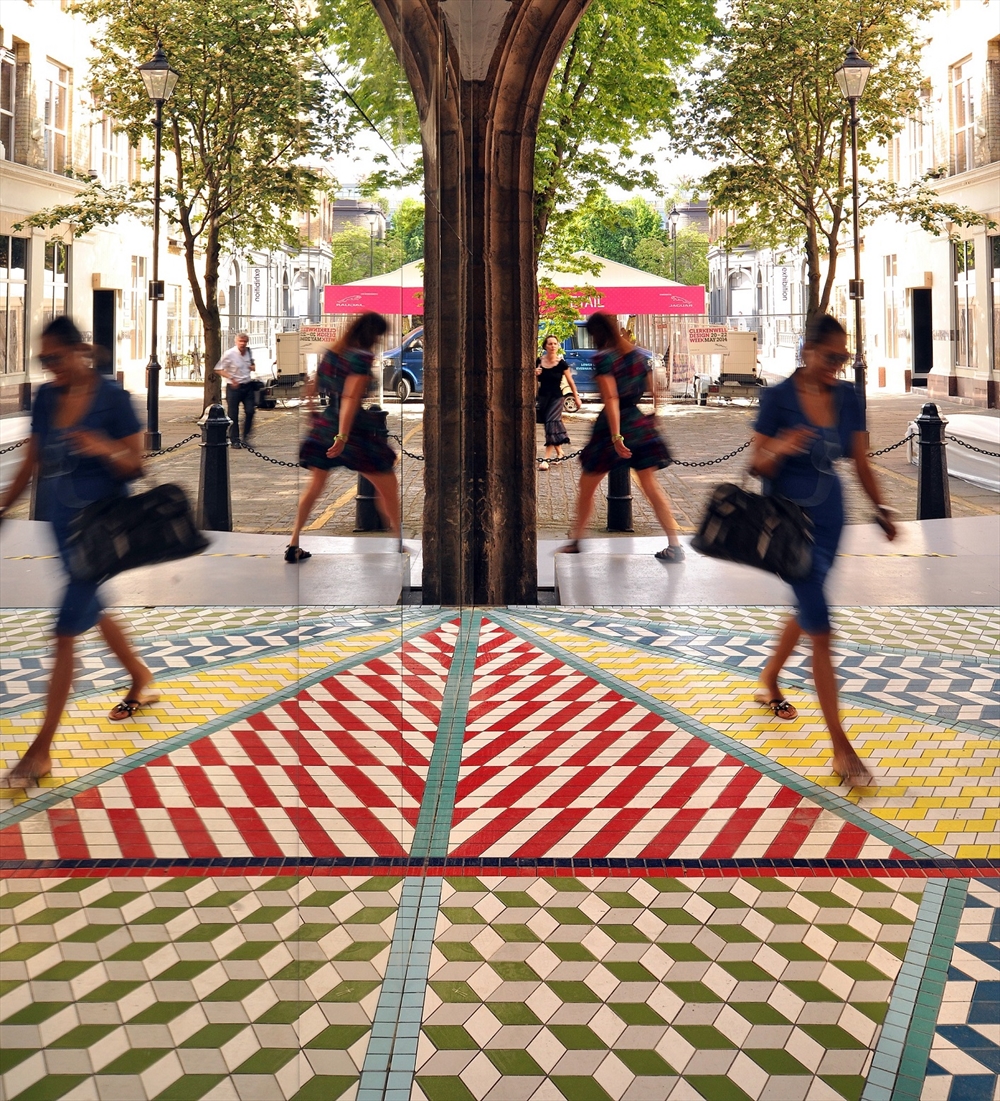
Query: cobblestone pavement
<point x="265" y="496"/>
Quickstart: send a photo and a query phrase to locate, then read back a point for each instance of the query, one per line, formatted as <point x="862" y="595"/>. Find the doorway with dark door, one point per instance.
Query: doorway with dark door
<point x="105" y="332"/>
<point x="922" y="339"/>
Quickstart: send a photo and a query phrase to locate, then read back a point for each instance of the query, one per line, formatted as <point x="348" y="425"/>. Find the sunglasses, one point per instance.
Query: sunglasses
<point x="52" y="359"/>
<point x="836" y="359"/>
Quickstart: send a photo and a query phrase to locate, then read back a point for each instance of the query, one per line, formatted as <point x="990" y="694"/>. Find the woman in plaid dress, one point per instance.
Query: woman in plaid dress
<point x="344" y="434"/>
<point x="623" y="433"/>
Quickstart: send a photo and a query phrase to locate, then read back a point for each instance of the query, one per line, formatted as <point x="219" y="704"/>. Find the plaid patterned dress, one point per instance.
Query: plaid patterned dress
<point x="649" y="451"/>
<point x="366" y="450"/>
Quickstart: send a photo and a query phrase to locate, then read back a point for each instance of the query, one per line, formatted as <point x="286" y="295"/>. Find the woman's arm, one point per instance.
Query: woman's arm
<point x="866" y="476"/>
<point x="609" y="392"/>
<point x="123" y="456"/>
<point x="572" y="386"/>
<point x="768" y="453"/>
<point x="350" y="402"/>
<point x="25" y="473"/>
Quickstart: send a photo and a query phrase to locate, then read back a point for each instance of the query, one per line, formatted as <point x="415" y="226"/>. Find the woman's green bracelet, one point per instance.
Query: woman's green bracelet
<point x="614" y="439"/>
<point x="339" y="436"/>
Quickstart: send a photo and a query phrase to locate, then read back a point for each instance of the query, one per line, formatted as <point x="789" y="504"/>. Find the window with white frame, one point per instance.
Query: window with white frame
<point x="56" y="116"/>
<point x="108" y="151"/>
<point x="56" y="282"/>
<point x="137" y="307"/>
<point x="13" y="291"/>
<point x="891" y="312"/>
<point x="965" y="303"/>
<point x="963" y="118"/>
<point x="8" y="84"/>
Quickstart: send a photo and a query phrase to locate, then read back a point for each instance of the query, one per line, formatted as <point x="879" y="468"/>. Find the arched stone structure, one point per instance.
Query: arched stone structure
<point x="479" y="70"/>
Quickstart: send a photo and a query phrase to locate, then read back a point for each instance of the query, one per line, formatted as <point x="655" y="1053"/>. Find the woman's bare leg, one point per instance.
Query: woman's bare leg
<point x="387" y="498"/>
<point x="114" y="635"/>
<point x="37" y="761"/>
<point x="310" y="495"/>
<point x="788" y="638"/>
<point x="585" y="504"/>
<point x="660" y="502"/>
<point x="845" y="760"/>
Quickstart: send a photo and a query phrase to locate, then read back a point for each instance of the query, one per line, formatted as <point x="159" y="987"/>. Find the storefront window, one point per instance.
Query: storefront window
<point x="891" y="315"/>
<point x="965" y="303"/>
<point x="13" y="288"/>
<point x="56" y="280"/>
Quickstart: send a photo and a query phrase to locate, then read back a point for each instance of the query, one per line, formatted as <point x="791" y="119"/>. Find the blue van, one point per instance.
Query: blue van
<point x="403" y="367"/>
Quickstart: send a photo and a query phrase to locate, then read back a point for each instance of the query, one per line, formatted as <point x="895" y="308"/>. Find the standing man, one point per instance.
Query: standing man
<point x="236" y="367"/>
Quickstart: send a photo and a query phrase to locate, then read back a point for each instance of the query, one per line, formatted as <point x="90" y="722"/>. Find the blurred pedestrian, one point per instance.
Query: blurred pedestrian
<point x="550" y="370"/>
<point x="344" y="434"/>
<point x="236" y="367"/>
<point x="804" y="425"/>
<point x="85" y="446"/>
<point x="623" y="433"/>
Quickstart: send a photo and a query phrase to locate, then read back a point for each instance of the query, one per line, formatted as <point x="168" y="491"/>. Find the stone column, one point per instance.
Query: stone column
<point x="479" y="70"/>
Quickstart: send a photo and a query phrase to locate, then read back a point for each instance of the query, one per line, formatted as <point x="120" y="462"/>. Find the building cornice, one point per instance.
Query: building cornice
<point x="48" y="186"/>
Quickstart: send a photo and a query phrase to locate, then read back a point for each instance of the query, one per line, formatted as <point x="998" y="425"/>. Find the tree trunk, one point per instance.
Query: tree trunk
<point x="211" y="321"/>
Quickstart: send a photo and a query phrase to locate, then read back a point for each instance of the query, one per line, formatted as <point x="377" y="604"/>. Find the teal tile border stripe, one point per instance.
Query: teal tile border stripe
<point x="433" y="829"/>
<point x="391" y="1059"/>
<point x="899" y="1064"/>
<point x="792" y="675"/>
<point x="54" y="796"/>
<point x="884" y="831"/>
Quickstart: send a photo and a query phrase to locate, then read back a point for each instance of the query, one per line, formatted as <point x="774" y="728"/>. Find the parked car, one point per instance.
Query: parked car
<point x="403" y="367"/>
<point x="579" y="352"/>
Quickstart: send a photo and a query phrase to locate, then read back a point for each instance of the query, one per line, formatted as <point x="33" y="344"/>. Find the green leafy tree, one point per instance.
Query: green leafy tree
<point x="766" y="107"/>
<point x="610" y="229"/>
<point x="405" y="239"/>
<point x="559" y="308"/>
<point x="656" y="255"/>
<point x="248" y="110"/>
<point x="354" y="255"/>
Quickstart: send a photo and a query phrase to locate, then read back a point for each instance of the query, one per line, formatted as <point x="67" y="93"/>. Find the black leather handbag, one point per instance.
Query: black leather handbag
<point x="122" y="533"/>
<point x="768" y="533"/>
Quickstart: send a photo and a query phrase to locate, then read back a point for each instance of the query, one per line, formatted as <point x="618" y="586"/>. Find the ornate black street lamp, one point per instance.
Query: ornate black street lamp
<point x="160" y="81"/>
<point x="673" y="218"/>
<point x="852" y="77"/>
<point x="373" y="216"/>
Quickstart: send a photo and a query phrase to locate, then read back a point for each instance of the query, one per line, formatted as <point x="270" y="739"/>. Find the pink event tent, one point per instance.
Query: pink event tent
<point x="620" y="290"/>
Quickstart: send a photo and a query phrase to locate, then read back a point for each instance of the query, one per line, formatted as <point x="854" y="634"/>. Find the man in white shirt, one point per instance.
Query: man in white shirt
<point x="236" y="367"/>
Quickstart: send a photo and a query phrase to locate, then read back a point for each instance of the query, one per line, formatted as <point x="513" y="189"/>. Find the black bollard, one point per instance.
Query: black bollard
<point x="215" y="507"/>
<point x="620" y="498"/>
<point x="366" y="514"/>
<point x="933" y="493"/>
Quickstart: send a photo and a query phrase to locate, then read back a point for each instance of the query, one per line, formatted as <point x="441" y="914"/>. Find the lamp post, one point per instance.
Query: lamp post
<point x="373" y="216"/>
<point x="160" y="80"/>
<point x="851" y="78"/>
<point x="673" y="218"/>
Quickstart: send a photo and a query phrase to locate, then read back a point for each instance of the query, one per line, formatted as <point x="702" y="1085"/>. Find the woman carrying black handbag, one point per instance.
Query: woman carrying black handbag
<point x="85" y="446"/>
<point x="805" y="424"/>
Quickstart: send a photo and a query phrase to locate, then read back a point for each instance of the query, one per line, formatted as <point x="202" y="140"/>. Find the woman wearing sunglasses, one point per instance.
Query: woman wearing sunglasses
<point x="805" y="424"/>
<point x="85" y="446"/>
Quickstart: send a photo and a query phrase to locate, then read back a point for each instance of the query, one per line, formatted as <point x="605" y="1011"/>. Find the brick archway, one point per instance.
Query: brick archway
<point x="479" y="70"/>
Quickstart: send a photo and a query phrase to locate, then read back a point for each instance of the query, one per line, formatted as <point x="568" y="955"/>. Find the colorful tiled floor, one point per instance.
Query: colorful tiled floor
<point x="538" y="854"/>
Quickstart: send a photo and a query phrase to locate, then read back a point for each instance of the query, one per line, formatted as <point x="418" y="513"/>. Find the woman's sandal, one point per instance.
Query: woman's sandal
<point x="131" y="704"/>
<point x="544" y="464"/>
<point x="15" y="781"/>
<point x="294" y="554"/>
<point x="856" y="776"/>
<point x="572" y="547"/>
<point x="779" y="707"/>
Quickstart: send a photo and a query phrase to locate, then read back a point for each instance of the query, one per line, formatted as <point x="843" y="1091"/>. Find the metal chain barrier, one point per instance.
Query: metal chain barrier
<point x="13" y="446"/>
<point x="173" y="447"/>
<point x="408" y="454"/>
<point x="267" y="458"/>
<point x="891" y="447"/>
<point x="972" y="447"/>
<point x="715" y="462"/>
<point x="561" y="458"/>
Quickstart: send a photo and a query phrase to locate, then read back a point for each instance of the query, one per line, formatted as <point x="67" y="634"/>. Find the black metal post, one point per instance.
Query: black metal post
<point x="366" y="514"/>
<point x="933" y="491"/>
<point x="215" y="506"/>
<point x="152" y="440"/>
<point x="620" y="498"/>
<point x="857" y="286"/>
<point x="371" y="252"/>
<point x="673" y="235"/>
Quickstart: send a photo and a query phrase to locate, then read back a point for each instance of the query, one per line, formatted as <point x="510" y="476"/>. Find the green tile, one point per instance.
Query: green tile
<point x="135" y="1061"/>
<point x="252" y="950"/>
<point x="370" y="915"/>
<point x="865" y="883"/>
<point x="83" y="1036"/>
<point x="513" y="1013"/>
<point x="356" y="990"/>
<point x="577" y="1037"/>
<point x="781" y="915"/>
<point x="645" y="1063"/>
<point x="569" y="915"/>
<point x="281" y="883"/>
<point x="208" y="931"/>
<point x="693" y="992"/>
<point x="283" y="1013"/>
<point x="23" y="951"/>
<point x="15" y="898"/>
<point x="514" y="971"/>
<point x="7" y="985"/>
<point x="766" y="883"/>
<point x="625" y="934"/>
<point x="745" y="971"/>
<point x="450" y="1038"/>
<point x="811" y="991"/>
<point x="184" y="970"/>
<point x="324" y="1087"/>
<point x="570" y="950"/>
<point x="299" y="970"/>
<point x="636" y="1013"/>
<point x="832" y="1037"/>
<point x="576" y="1088"/>
<point x="91" y="934"/>
<point x="843" y="932"/>
<point x="213" y="1036"/>
<point x="897" y="948"/>
<point x="669" y="886"/>
<point x="795" y="950"/>
<point x="456" y="951"/>
<point x="269" y="1060"/>
<point x="222" y="898"/>
<point x="517" y="900"/>
<point x="160" y="1013"/>
<point x="568" y="885"/>
<point x="723" y="900"/>
<point x="181" y="883"/>
<point x="338" y="1037"/>
<point x="51" y="1087"/>
<point x="875" y="1011"/>
<point x="113" y="900"/>
<point x="467" y="884"/>
<point x="514" y="1062"/>
<point x="673" y="915"/>
<point x="235" y="990"/>
<point x="705" y="1036"/>
<point x="826" y="899"/>
<point x="573" y="992"/>
<point x="733" y="934"/>
<point x="849" y="1086"/>
<point x="11" y="1056"/>
<point x="620" y="900"/>
<point x="49" y="916"/>
<point x="627" y="971"/>
<point x="65" y="971"/>
<point x="379" y="883"/>
<point x="323" y="898"/>
<point x="160" y="915"/>
<point x="776" y="1061"/>
<point x="35" y="1013"/>
<point x="516" y="934"/>
<point x="190" y="1087"/>
<point x="268" y="915"/>
<point x="111" y="991"/>
<point x="141" y="950"/>
<point x="362" y="950"/>
<point x="312" y="931"/>
<point x="445" y="1089"/>
<point x="860" y="971"/>
<point x="885" y="916"/>
<point x="759" y="1013"/>
<point x="716" y="1087"/>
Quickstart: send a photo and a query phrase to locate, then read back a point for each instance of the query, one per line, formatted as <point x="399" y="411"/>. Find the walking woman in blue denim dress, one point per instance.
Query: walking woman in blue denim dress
<point x="805" y="424"/>
<point x="85" y="446"/>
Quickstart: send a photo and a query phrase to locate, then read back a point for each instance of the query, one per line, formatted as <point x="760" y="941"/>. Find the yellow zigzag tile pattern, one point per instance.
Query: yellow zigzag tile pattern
<point x="88" y="739"/>
<point x="939" y="784"/>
